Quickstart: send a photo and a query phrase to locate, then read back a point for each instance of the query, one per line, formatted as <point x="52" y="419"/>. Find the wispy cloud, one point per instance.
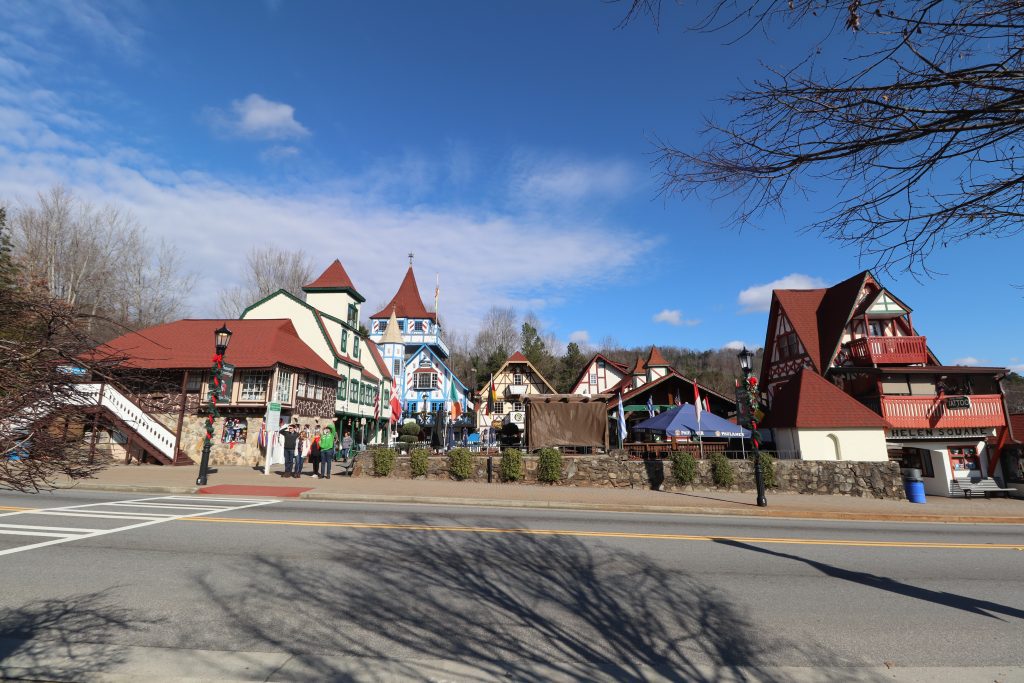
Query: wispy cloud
<point x="562" y="180"/>
<point x="759" y="297"/>
<point x="673" y="316"/>
<point x="257" y="118"/>
<point x="112" y="26"/>
<point x="736" y="345"/>
<point x="279" y="152"/>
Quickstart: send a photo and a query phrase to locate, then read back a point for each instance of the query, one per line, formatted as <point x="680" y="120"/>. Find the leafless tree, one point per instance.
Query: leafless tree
<point x="499" y="331"/>
<point x="99" y="261"/>
<point x="917" y="129"/>
<point x="267" y="270"/>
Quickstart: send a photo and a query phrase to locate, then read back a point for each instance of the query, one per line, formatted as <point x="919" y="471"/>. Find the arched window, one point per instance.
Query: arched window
<point x="835" y="446"/>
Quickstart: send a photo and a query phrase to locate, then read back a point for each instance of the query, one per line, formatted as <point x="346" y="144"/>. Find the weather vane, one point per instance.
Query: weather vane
<point x="410" y="257"/>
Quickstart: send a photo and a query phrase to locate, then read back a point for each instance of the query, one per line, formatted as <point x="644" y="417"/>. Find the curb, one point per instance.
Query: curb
<point x="317" y="496"/>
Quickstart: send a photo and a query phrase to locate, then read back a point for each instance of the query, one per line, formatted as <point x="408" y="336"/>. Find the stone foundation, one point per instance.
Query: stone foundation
<point x="859" y="479"/>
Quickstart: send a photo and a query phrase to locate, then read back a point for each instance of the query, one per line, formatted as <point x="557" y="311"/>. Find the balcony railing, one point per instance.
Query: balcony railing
<point x="515" y="390"/>
<point x="888" y="350"/>
<point x="979" y="410"/>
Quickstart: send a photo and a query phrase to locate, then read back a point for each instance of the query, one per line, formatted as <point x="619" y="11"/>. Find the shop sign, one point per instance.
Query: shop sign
<point x="942" y="433"/>
<point x="958" y="402"/>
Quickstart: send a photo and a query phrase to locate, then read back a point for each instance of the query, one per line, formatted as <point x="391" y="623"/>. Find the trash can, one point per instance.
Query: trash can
<point x="914" y="486"/>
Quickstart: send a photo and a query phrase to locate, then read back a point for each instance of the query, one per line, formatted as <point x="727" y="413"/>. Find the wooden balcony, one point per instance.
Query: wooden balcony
<point x="923" y="412"/>
<point x="888" y="350"/>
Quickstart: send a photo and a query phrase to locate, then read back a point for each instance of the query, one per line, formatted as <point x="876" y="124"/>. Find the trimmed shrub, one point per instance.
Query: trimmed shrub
<point x="768" y="470"/>
<point x="684" y="467"/>
<point x="419" y="462"/>
<point x="383" y="462"/>
<point x="460" y="463"/>
<point x="549" y="465"/>
<point x="721" y="471"/>
<point x="409" y="433"/>
<point x="511" y="466"/>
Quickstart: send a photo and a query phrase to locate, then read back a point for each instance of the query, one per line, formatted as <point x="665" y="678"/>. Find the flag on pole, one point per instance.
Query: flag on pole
<point x="437" y="294"/>
<point x="376" y="406"/>
<point x="492" y="397"/>
<point x="650" y="406"/>
<point x="396" y="403"/>
<point x="622" y="421"/>
<point x="696" y="404"/>
<point x="261" y="438"/>
<point x="453" y="396"/>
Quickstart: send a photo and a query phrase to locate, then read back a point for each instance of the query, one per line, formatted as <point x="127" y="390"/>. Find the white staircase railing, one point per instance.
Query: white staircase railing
<point x="129" y="412"/>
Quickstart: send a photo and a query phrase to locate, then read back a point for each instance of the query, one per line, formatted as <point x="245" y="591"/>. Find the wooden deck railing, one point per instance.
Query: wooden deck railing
<point x="888" y="350"/>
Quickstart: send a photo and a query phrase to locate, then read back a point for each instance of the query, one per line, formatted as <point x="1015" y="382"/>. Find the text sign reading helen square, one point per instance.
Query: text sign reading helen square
<point x="942" y="433"/>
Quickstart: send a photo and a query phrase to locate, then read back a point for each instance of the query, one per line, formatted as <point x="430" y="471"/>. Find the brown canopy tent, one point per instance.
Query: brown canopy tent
<point x="567" y="420"/>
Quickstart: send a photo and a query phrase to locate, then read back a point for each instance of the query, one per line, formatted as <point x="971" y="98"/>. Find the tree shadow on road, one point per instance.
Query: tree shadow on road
<point x="962" y="602"/>
<point x="503" y="605"/>
<point x="72" y="635"/>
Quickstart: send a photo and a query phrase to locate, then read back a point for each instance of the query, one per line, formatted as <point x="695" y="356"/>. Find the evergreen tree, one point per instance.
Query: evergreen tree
<point x="569" y="368"/>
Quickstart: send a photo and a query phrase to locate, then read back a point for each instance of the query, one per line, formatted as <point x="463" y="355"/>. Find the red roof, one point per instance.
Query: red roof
<point x="597" y="356"/>
<point x="189" y="344"/>
<point x="638" y="369"/>
<point x="654" y="358"/>
<point x="810" y="401"/>
<point x="334" y="277"/>
<point x="517" y="358"/>
<point x="407" y="302"/>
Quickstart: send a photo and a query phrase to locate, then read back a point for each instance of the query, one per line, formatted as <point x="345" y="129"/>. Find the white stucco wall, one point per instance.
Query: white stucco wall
<point x="854" y="444"/>
<point x="302" y="318"/>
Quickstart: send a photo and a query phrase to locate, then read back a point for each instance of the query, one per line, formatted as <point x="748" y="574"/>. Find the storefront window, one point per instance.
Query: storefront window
<point x="254" y="385"/>
<point x="916" y="458"/>
<point x="235" y="430"/>
<point x="284" y="386"/>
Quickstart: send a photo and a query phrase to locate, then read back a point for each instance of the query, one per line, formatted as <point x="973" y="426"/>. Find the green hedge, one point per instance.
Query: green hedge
<point x="768" y="470"/>
<point x="460" y="463"/>
<point x="684" y="467"/>
<point x="419" y="462"/>
<point x="511" y="466"/>
<point x="383" y="462"/>
<point x="549" y="465"/>
<point x="721" y="471"/>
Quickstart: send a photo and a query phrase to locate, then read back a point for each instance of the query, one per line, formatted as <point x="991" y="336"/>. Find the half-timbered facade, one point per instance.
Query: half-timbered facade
<point x="947" y="421"/>
<point x="516" y="379"/>
<point x="411" y="348"/>
<point x="598" y="376"/>
<point x="328" y="322"/>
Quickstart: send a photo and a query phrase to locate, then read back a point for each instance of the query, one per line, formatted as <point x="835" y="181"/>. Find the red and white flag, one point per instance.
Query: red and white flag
<point x="696" y="404"/>
<point x="396" y="403"/>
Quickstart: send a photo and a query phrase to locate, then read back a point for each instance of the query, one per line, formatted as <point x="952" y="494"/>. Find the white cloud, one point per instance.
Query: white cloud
<point x="759" y="297"/>
<point x="1019" y="369"/>
<point x="969" y="360"/>
<point x="258" y="118"/>
<point x="571" y="180"/>
<point x="736" y="345"/>
<point x="581" y="337"/>
<point x="673" y="317"/>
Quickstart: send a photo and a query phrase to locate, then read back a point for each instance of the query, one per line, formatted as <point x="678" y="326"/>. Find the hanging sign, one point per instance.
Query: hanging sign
<point x="958" y="403"/>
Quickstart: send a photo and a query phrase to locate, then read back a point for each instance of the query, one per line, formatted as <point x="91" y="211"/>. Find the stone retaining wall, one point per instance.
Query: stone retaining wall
<point x="860" y="479"/>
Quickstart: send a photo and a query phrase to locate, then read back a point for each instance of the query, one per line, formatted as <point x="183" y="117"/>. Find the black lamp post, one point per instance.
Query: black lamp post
<point x="221" y="337"/>
<point x="750" y="388"/>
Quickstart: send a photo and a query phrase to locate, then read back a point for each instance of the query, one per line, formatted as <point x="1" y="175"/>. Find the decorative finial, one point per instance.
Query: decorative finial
<point x="410" y="257"/>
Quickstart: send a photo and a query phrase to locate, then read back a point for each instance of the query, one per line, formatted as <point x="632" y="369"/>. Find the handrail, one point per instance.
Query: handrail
<point x="132" y="414"/>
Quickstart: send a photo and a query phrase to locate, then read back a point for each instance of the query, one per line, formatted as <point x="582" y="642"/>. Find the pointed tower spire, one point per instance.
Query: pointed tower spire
<point x="392" y="335"/>
<point x="407" y="302"/>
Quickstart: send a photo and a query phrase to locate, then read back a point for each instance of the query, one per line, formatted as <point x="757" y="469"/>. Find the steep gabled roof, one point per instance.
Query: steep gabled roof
<point x="407" y="302"/>
<point x="655" y="359"/>
<point x="334" y="279"/>
<point x="638" y="367"/>
<point x="629" y="392"/>
<point x="516" y="357"/>
<point x="810" y="401"/>
<point x="596" y="357"/>
<point x="188" y="344"/>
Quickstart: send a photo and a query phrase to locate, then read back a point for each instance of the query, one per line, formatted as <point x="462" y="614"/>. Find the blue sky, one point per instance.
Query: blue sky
<point x="507" y="144"/>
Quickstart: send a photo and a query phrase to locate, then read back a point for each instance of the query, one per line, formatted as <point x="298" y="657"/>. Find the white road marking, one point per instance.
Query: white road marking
<point x="47" y="528"/>
<point x="86" y="511"/>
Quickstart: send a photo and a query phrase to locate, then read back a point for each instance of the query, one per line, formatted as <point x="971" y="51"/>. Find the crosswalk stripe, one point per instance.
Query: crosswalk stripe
<point x="19" y="532"/>
<point x="47" y="528"/>
<point x="101" y="514"/>
<point x="171" y="505"/>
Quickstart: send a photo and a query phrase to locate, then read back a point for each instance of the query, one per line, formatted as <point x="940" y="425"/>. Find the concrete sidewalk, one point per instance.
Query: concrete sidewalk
<point x="156" y="479"/>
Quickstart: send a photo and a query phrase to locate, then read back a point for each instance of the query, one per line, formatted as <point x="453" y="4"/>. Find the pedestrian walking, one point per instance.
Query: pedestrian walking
<point x="292" y="464"/>
<point x="327" y="438"/>
<point x="314" y="450"/>
<point x="302" y="450"/>
<point x="346" y="446"/>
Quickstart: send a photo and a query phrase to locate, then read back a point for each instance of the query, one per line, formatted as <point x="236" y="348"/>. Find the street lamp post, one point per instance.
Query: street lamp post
<point x="751" y="390"/>
<point x="221" y="337"/>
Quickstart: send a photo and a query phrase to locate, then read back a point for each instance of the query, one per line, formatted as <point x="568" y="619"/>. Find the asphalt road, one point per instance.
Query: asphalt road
<point x="148" y="587"/>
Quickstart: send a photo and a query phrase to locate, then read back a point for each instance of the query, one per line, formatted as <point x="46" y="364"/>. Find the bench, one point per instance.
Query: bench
<point x="970" y="487"/>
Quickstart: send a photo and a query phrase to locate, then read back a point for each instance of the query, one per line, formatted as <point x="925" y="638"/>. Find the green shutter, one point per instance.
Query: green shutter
<point x="344" y="341"/>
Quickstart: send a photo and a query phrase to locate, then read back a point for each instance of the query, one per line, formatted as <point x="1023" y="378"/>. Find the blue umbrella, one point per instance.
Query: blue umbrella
<point x="682" y="421"/>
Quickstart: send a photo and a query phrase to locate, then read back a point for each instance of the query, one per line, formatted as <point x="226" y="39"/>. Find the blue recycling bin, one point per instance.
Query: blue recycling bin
<point x="915" y="490"/>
